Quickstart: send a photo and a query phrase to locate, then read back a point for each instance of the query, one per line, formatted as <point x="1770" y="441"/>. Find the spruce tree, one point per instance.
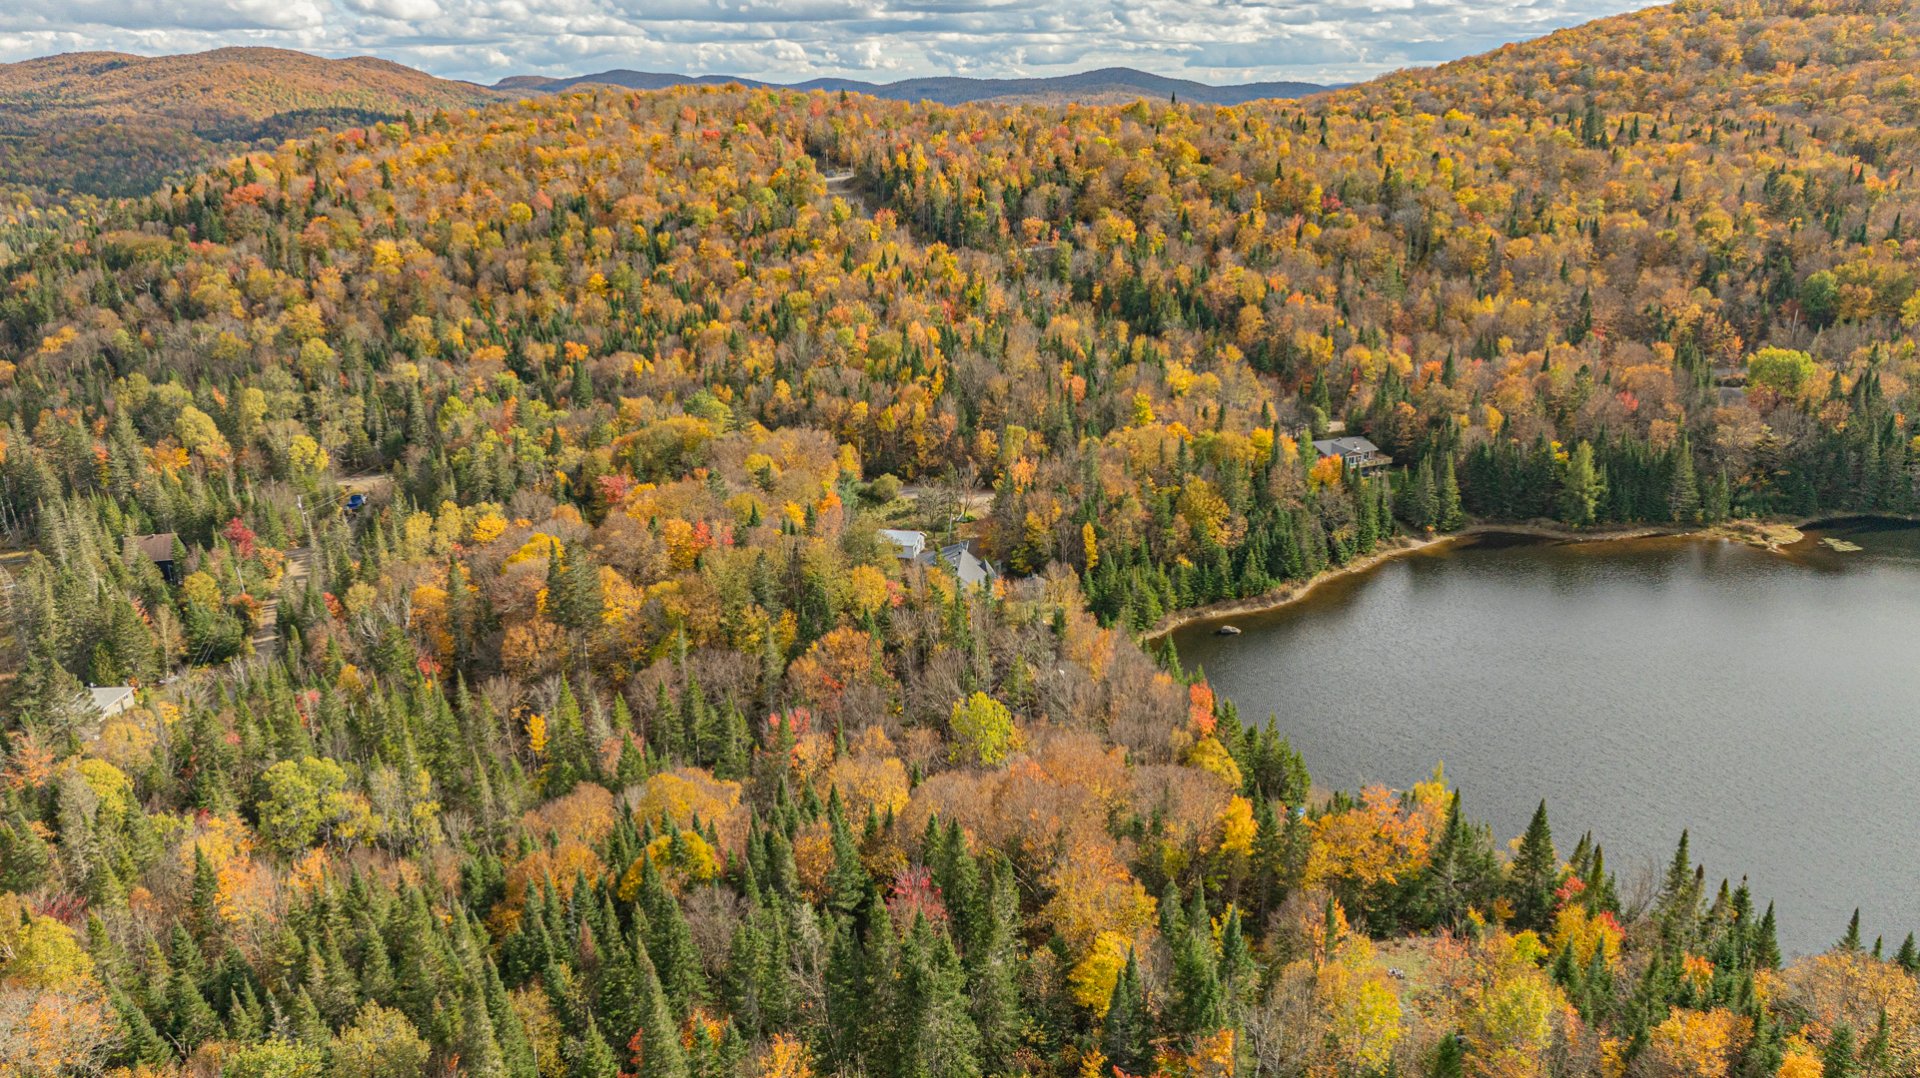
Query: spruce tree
<point x="1581" y="487"/>
<point x="937" y="1036"/>
<point x="1766" y="948"/>
<point x="1449" y="1058"/>
<point x="1535" y="876"/>
<point x="1837" y="1059"/>
<point x="1196" y="1007"/>
<point x="587" y="1055"/>
<point x="1851" y="941"/>
<point x="1125" y="1036"/>
<point x="993" y="973"/>
<point x="1683" y="499"/>
<point x="656" y="1045"/>
<point x="1451" y="514"/>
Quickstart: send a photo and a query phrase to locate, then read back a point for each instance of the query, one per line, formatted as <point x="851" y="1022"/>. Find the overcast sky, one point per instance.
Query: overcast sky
<point x="789" y="40"/>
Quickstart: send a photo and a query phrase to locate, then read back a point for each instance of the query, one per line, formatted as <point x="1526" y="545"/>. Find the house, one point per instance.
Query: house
<point x="973" y="570"/>
<point x="907" y="545"/>
<point x="109" y="700"/>
<point x="1357" y="453"/>
<point x="157" y="549"/>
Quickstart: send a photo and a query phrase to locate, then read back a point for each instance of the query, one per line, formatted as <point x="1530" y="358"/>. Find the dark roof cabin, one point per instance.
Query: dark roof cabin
<point x="156" y="548"/>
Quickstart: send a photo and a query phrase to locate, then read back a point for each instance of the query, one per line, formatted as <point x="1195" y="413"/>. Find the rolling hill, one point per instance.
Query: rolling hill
<point x="1104" y="86"/>
<point x="116" y="124"/>
<point x="108" y="123"/>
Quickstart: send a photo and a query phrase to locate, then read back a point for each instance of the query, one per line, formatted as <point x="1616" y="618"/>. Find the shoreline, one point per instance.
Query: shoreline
<point x="1773" y="536"/>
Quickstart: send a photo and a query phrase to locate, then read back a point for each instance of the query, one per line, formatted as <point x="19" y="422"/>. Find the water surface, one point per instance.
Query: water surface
<point x="1768" y="702"/>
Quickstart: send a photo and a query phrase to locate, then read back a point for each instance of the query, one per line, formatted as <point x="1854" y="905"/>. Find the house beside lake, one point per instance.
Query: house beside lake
<point x="1358" y="454"/>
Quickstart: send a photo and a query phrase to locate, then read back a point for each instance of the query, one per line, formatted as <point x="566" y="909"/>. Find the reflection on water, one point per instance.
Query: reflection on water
<point x="1766" y="701"/>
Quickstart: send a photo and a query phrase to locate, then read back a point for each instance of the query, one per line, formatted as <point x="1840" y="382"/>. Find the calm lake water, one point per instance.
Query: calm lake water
<point x="1768" y="702"/>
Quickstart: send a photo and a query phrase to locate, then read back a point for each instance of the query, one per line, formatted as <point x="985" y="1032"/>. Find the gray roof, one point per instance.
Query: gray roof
<point x="110" y="699"/>
<point x="972" y="569"/>
<point x="1344" y="447"/>
<point x="909" y="544"/>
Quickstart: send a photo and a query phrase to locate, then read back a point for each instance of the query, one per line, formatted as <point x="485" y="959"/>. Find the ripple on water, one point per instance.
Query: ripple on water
<point x="1767" y="702"/>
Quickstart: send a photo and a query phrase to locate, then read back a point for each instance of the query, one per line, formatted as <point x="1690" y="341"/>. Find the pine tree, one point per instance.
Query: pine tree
<point x="656" y="1046"/>
<point x="1449" y="1058"/>
<point x="993" y="974"/>
<point x="570" y="756"/>
<point x="1125" y="1035"/>
<point x="190" y="1020"/>
<point x="1683" y="499"/>
<point x="937" y="1037"/>
<point x="1535" y="875"/>
<point x="1451" y="514"/>
<point x="1197" y="1007"/>
<point x="1581" y="487"/>
<point x="1837" y="1059"/>
<point x="573" y="588"/>
<point x="1766" y="947"/>
<point x="587" y="1054"/>
<point x="847" y="881"/>
<point x="1419" y="500"/>
<point x="1851" y="941"/>
<point x="203" y="908"/>
<point x="669" y="942"/>
<point x="1678" y="907"/>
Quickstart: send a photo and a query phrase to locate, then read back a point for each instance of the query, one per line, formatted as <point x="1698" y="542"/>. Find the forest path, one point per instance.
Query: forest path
<point x="266" y="634"/>
<point x="842" y="183"/>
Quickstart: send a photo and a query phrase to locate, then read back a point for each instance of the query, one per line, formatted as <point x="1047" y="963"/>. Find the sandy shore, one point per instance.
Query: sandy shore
<point x="1772" y="536"/>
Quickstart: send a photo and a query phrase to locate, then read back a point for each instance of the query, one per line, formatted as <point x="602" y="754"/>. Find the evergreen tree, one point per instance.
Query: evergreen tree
<point x="1581" y="487"/>
<point x="1535" y="874"/>
<point x="587" y="1055"/>
<point x="1837" y="1058"/>
<point x="1683" y="499"/>
<point x="1851" y="941"/>
<point x="1449" y="1058"/>
<point x="993" y="974"/>
<point x="1126" y="1034"/>
<point x="1451" y="514"/>
<point x="656" y="1046"/>
<point x="1766" y="948"/>
<point x="937" y="1037"/>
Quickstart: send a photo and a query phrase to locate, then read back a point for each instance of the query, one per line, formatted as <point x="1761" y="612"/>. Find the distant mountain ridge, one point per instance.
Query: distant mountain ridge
<point x="1100" y="85"/>
<point x="113" y="123"/>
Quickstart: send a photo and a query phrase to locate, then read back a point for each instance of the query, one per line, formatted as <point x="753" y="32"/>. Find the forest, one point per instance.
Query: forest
<point x="485" y="511"/>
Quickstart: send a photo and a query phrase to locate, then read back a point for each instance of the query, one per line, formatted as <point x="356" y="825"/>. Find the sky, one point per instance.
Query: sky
<point x="790" y="40"/>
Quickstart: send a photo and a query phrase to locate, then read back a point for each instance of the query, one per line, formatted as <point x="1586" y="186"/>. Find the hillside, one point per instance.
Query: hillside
<point x="116" y="124"/>
<point x="526" y="685"/>
<point x="1106" y="85"/>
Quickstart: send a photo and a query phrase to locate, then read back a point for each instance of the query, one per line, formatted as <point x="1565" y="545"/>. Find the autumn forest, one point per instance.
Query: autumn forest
<point x="494" y="516"/>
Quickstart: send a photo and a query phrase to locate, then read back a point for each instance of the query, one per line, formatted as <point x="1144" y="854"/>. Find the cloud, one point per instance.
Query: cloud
<point x="792" y="40"/>
<point x="395" y="9"/>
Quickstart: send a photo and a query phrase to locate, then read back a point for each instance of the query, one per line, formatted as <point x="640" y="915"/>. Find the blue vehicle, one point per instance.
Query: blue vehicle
<point x="355" y="501"/>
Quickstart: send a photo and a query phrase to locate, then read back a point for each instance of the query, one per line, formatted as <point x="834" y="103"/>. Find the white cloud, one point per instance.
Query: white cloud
<point x="791" y="40"/>
<point x="395" y="9"/>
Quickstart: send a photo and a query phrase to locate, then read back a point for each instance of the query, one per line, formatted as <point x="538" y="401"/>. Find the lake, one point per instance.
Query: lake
<point x="1770" y="702"/>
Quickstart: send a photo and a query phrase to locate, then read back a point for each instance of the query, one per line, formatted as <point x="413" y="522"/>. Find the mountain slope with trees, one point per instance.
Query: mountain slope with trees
<point x="107" y="123"/>
<point x="598" y="729"/>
